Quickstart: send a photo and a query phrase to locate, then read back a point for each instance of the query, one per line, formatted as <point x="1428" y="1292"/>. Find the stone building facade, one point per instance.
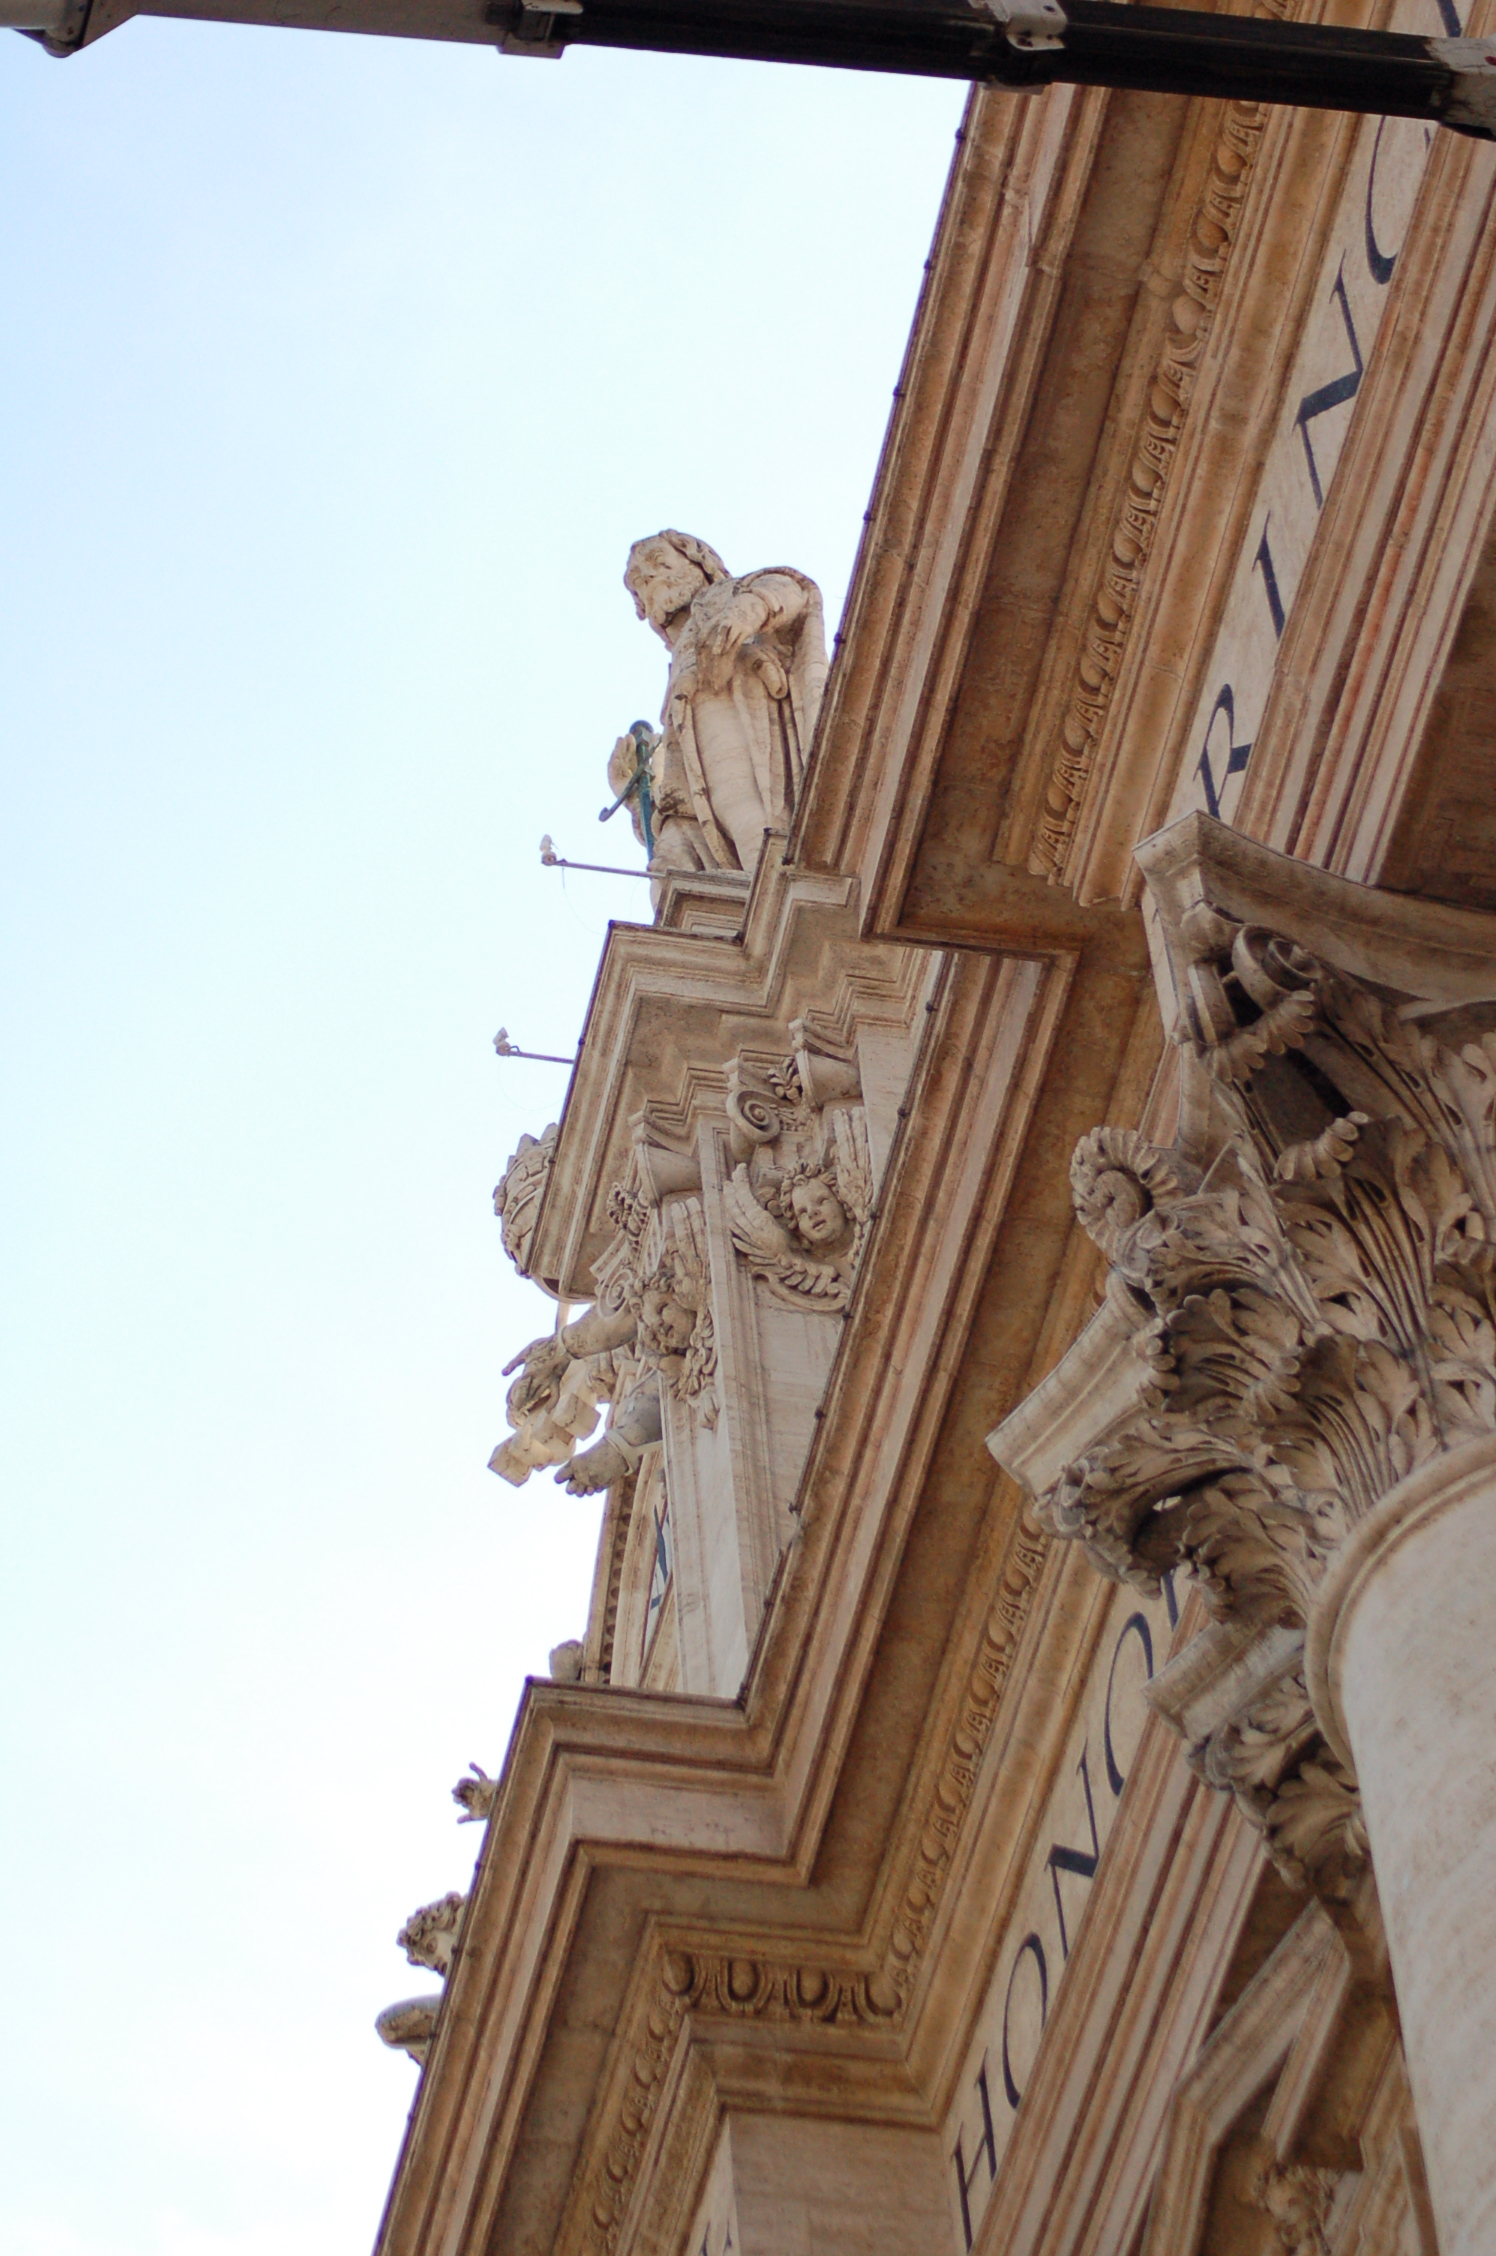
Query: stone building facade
<point x="1024" y="1246"/>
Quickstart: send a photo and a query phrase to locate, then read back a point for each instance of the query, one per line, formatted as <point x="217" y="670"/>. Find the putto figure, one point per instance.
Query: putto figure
<point x="747" y="669"/>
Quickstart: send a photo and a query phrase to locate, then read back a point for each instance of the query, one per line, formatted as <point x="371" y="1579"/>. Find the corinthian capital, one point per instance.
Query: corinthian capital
<point x="1301" y="1307"/>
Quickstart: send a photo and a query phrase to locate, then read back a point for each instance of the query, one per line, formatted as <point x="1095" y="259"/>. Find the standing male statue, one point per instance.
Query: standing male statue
<point x="747" y="668"/>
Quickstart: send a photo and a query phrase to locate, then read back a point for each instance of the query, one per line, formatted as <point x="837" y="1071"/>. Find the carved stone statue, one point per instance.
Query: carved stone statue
<point x="747" y="669"/>
<point x="429" y="1936"/>
<point x="800" y="1198"/>
<point x="475" y="1796"/>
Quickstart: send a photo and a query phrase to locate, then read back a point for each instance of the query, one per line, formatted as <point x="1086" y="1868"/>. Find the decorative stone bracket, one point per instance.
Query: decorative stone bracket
<point x="1301" y="1306"/>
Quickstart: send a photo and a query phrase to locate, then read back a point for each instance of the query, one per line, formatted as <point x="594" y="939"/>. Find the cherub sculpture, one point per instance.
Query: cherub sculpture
<point x="475" y="1796"/>
<point x="429" y="1936"/>
<point x="650" y="1329"/>
<point x="802" y="1230"/>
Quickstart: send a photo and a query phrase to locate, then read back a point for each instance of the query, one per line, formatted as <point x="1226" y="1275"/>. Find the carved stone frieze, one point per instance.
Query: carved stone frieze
<point x="1114" y="597"/>
<point x="1301" y="1307"/>
<point x="685" y="1979"/>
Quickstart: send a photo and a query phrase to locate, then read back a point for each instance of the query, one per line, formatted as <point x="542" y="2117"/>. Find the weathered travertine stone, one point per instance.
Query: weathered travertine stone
<point x="747" y="669"/>
<point x="1098" y="581"/>
<point x="1403" y="1665"/>
<point x="475" y="1796"/>
<point x="1292" y="1393"/>
<point x="409" y="2026"/>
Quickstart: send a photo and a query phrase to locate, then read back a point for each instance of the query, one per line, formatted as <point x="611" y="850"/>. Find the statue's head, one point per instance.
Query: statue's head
<point x="816" y="1211"/>
<point x="665" y="574"/>
<point x="666" y="1325"/>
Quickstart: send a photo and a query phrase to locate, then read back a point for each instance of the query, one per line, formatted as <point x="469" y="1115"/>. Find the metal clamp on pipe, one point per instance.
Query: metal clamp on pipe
<point x="532" y="31"/>
<point x="1032" y="25"/>
<point x="1472" y="105"/>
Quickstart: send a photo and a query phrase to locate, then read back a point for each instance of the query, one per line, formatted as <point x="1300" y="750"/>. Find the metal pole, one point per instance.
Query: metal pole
<point x="1034" y="43"/>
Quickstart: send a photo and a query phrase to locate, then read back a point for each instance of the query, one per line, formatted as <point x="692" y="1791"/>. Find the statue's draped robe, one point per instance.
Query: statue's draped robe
<point x="732" y="758"/>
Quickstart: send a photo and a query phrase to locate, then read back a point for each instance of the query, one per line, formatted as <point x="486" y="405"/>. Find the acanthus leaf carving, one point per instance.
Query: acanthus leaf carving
<point x="1297" y="2197"/>
<point x="1309" y="1312"/>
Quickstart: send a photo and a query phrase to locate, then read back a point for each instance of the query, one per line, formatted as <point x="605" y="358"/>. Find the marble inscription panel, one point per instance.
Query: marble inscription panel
<point x="1349" y="300"/>
<point x="1051" y="1901"/>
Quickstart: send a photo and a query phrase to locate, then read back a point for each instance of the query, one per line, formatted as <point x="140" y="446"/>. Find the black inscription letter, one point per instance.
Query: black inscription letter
<point x="987" y="2146"/>
<point x="1237" y="755"/>
<point x="1030" y="1944"/>
<point x="1336" y="392"/>
<point x="1135" y="1625"/>
<point x="1263" y="562"/>
<point x="1379" y="262"/>
<point x="1082" y="1862"/>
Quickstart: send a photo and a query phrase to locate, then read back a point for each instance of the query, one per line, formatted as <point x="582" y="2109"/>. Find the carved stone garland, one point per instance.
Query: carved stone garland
<point x="1315" y="1317"/>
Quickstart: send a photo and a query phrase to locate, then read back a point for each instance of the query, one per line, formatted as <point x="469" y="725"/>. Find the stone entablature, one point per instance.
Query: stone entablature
<point x="1051" y="1899"/>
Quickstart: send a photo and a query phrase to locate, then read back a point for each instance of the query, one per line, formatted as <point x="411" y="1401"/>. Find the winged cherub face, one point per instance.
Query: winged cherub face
<point x="668" y="1323"/>
<point x="819" y="1215"/>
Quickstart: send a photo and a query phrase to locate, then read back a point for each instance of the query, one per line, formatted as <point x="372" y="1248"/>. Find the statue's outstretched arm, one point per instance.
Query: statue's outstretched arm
<point x="598" y="1329"/>
<point x="785" y="599"/>
<point x="638" y="1425"/>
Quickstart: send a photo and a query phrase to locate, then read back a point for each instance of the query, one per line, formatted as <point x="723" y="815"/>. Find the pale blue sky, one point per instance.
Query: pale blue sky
<point x="339" y="375"/>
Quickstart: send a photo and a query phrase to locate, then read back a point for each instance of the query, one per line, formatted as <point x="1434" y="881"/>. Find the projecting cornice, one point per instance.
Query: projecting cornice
<point x="1053" y="575"/>
<point x="671" y="1010"/>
